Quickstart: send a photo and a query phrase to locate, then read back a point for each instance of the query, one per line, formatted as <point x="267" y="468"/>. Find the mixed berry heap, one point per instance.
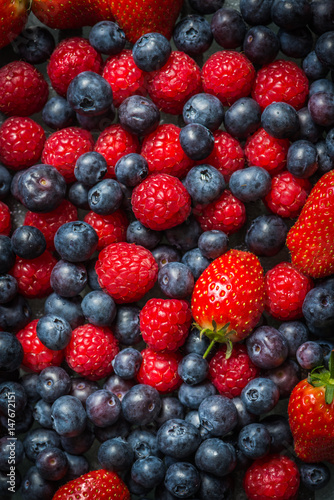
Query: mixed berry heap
<point x="172" y="278"/>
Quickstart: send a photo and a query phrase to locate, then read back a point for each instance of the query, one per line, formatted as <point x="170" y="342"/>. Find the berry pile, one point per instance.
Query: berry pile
<point x="167" y="298"/>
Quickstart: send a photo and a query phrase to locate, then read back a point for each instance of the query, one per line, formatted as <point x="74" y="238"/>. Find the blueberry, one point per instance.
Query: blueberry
<point x="58" y="113"/>
<point x="90" y="168"/>
<point x="8" y="288"/>
<point x="76" y="241"/>
<point x="12" y="393"/>
<point x="309" y="355"/>
<point x="34" y="487"/>
<point x="78" y="195"/>
<point x="308" y="129"/>
<point x="35" y="44"/>
<point x="193" y="369"/>
<point x="11" y="352"/>
<point x="126" y="325"/>
<point x="254" y="440"/>
<point x="228" y="28"/>
<point x="81" y="388"/>
<point x="206" y="6"/>
<point x="266" y="235"/>
<point x="28" y="242"/>
<point x="243" y="118"/>
<point x="330" y="143"/>
<point x="148" y="471"/>
<point x="313" y="68"/>
<point x="324" y="49"/>
<point x="322" y="16"/>
<point x="51" y="463"/>
<point x="171" y="408"/>
<point x="197" y="141"/>
<point x="98" y="308"/>
<point x="302" y="159"/>
<point x="318" y="307"/>
<point x="7" y="255"/>
<point x="182" y="479"/>
<point x="107" y="38"/>
<point x="204" y="184"/>
<point x="29" y="382"/>
<point x="267" y="347"/>
<point x="327" y="347"/>
<point x="178" y="438"/>
<point x="127" y="362"/>
<point x="256" y="12"/>
<point x="205" y="109"/>
<point x="15" y="314"/>
<point x="321" y="108"/>
<point x="244" y="417"/>
<point x="131" y="169"/>
<point x="213" y="244"/>
<point x="68" y="279"/>
<point x="250" y="184"/>
<point x="141" y="235"/>
<point x="216" y="457"/>
<point x="67" y="308"/>
<point x="78" y="444"/>
<point x="321" y="85"/>
<point x="218" y="415"/>
<point x="280" y="433"/>
<point x="141" y="404"/>
<point x="115" y="455"/>
<point x="195" y="260"/>
<point x="11" y="451"/>
<point x="193" y="35"/>
<point x="103" y="408"/>
<point x="53" y="382"/>
<point x="176" y="280"/>
<point x="195" y="343"/>
<point x="280" y="120"/>
<point x="76" y="466"/>
<point x="291" y="15"/>
<point x="295" y="43"/>
<point x="151" y="51"/>
<point x="314" y="476"/>
<point x="215" y="488"/>
<point x="42" y="413"/>
<point x="296" y="333"/>
<point x="138" y="115"/>
<point x="105" y="197"/>
<point x="144" y="443"/>
<point x="184" y="236"/>
<point x="325" y="161"/>
<point x="54" y="332"/>
<point x="261" y="45"/>
<point x="89" y="94"/>
<point x="37" y="440"/>
<point x="5" y="182"/>
<point x="68" y="416"/>
<point x="260" y="395"/>
<point x="286" y="377"/>
<point x="164" y="254"/>
<point x="192" y="396"/>
<point x="92" y="278"/>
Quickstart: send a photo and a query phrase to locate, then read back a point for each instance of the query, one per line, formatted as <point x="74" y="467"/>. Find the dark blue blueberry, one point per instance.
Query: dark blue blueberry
<point x="193" y="418"/>
<point x="243" y="117"/>
<point x="280" y="120"/>
<point x="148" y="471"/>
<point x="103" y="408"/>
<point x="118" y="385"/>
<point x="266" y="235"/>
<point x="29" y="382"/>
<point x="134" y="487"/>
<point x="171" y="407"/>
<point x="213" y="244"/>
<point x="68" y="279"/>
<point x="182" y="479"/>
<point x="126" y="325"/>
<point x="76" y="241"/>
<point x="286" y="377"/>
<point x="196" y="261"/>
<point x="67" y="308"/>
<point x="296" y="333"/>
<point x="250" y="184"/>
<point x="28" y="242"/>
<point x="193" y="35"/>
<point x="256" y="12"/>
<point x="98" y="308"/>
<point x="295" y="43"/>
<point x="8" y="288"/>
<point x="144" y="443"/>
<point x="244" y="417"/>
<point x="228" y="28"/>
<point x="325" y="161"/>
<point x="41" y="188"/>
<point x="322" y="332"/>
<point x="5" y="182"/>
<point x="68" y="416"/>
<point x="302" y="159"/>
<point x="90" y="168"/>
<point x="309" y="355"/>
<point x="260" y="395"/>
<point x="314" y="476"/>
<point x="11" y="452"/>
<point x="204" y="183"/>
<point x="141" y="404"/>
<point x="261" y="45"/>
<point x="81" y="388"/>
<point x="115" y="455"/>
<point x="141" y="235"/>
<point x="12" y="395"/>
<point x="184" y="236"/>
<point x="178" y="439"/>
<point x="78" y="444"/>
<point x="176" y="280"/>
<point x="138" y="115"/>
<point x="197" y="141"/>
<point x="321" y="108"/>
<point x="216" y="457"/>
<point x="35" y="44"/>
<point x="37" y="440"/>
<point x="15" y="314"/>
<point x="192" y="396"/>
<point x="322" y="16"/>
<point x="218" y="415"/>
<point x="77" y="465"/>
<point x="97" y="122"/>
<point x="330" y="143"/>
<point x="291" y="15"/>
<point x="78" y="195"/>
<point x="58" y="113"/>
<point x="127" y="362"/>
<point x="327" y="347"/>
<point x="89" y="94"/>
<point x="14" y="187"/>
<point x="205" y="109"/>
<point x="267" y="347"/>
<point x="193" y="369"/>
<point x="321" y="85"/>
<point x="313" y="68"/>
<point x="34" y="487"/>
<point x="279" y="429"/>
<point x="254" y="441"/>
<point x="206" y="6"/>
<point x="318" y="307"/>
<point x="215" y="488"/>
<point x="92" y="278"/>
<point x="51" y="463"/>
<point x="308" y="129"/>
<point x="42" y="413"/>
<point x="131" y="169"/>
<point x="11" y="352"/>
<point x="164" y="254"/>
<point x="7" y="255"/>
<point x="151" y="51"/>
<point x="54" y="332"/>
<point x="324" y="48"/>
<point x="53" y="382"/>
<point x="107" y="38"/>
<point x="105" y="197"/>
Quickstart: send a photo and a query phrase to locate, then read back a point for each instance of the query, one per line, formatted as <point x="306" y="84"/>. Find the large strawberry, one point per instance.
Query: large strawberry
<point x="311" y="239"/>
<point x="228" y="298"/>
<point x="99" y="484"/>
<point x="311" y="415"/>
<point x="13" y="17"/>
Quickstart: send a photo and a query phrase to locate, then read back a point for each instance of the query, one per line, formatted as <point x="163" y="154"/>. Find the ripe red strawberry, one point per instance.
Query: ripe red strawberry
<point x="274" y="477"/>
<point x="66" y="14"/>
<point x="13" y="15"/>
<point x="311" y="415"/>
<point x="98" y="484"/>
<point x="227" y="155"/>
<point x="160" y="370"/>
<point x="310" y="240"/>
<point x="228" y="298"/>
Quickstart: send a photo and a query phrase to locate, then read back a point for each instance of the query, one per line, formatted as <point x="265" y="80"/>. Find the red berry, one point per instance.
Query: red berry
<point x="263" y="150"/>
<point x="287" y="195"/>
<point x="91" y="351"/>
<point x="227" y="155"/>
<point x="5" y="219"/>
<point x="109" y="228"/>
<point x="33" y="275"/>
<point x="160" y="370"/>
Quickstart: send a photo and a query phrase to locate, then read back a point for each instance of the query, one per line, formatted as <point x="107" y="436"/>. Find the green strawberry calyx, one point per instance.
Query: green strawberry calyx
<point x="220" y="335"/>
<point x="320" y="377"/>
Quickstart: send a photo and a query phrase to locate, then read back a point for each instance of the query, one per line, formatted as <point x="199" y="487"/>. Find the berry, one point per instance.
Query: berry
<point x="141" y="404"/>
<point x="321" y="108"/>
<point x="107" y="37"/>
<point x="143" y="443"/>
<point x="184" y="236"/>
<point x="296" y="43"/>
<point x="35" y="44"/>
<point x="131" y="169"/>
<point x="192" y="396"/>
<point x="8" y="288"/>
<point x="205" y="184"/>
<point x="138" y="115"/>
<point x="227" y="155"/>
<point x="280" y="120"/>
<point x="51" y="464"/>
<point x="5" y="222"/>
<point x="57" y="113"/>
<point x="171" y="407"/>
<point x="33" y="275"/>
<point x="250" y="184"/>
<point x="266" y="235"/>
<point x="263" y="150"/>
<point x="287" y="195"/>
<point x="197" y="141"/>
<point x="103" y="408"/>
<point x="151" y="51"/>
<point x="105" y="197"/>
<point x="267" y="347"/>
<point x="7" y="255"/>
<point x="148" y="471"/>
<point x="76" y="241"/>
<point x="309" y="355"/>
<point x="192" y="35"/>
<point x="28" y="242"/>
<point x="69" y="309"/>
<point x="254" y="441"/>
<point x="196" y="262"/>
<point x="126" y="325"/>
<point x="109" y="228"/>
<point x="193" y="369"/>
<point x="290" y="16"/>
<point x="206" y="6"/>
<point x="5" y="182"/>
<point x="204" y="109"/>
<point x="182" y="476"/>
<point x="323" y="48"/>
<point x="178" y="438"/>
<point x="89" y="94"/>
<point x="90" y="168"/>
<point x="216" y="457"/>
<point x="176" y="280"/>
<point x="160" y="370"/>
<point x="141" y="235"/>
<point x="52" y="383"/>
<point x="318" y="307"/>
<point x="68" y="279"/>
<point x="313" y="68"/>
<point x="302" y="159"/>
<point x="115" y="455"/>
<point x="127" y="362"/>
<point x="54" y="332"/>
<point x="260" y="395"/>
<point x="81" y="388"/>
<point x="228" y="28"/>
<point x="98" y="308"/>
<point x="15" y="314"/>
<point x="261" y="45"/>
<point x="213" y="244"/>
<point x="314" y="476"/>
<point x="243" y="118"/>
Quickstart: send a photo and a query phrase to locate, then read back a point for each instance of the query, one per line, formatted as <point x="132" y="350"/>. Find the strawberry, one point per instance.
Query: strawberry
<point x="311" y="415"/>
<point x="228" y="298"/>
<point x="310" y="240"/>
<point x="13" y="15"/>
<point x="100" y="484"/>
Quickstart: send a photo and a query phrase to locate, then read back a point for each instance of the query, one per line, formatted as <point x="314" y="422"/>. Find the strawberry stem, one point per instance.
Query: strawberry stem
<point x="320" y="377"/>
<point x="221" y="336"/>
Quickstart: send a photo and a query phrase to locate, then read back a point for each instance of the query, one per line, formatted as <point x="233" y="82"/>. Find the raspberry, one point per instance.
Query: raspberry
<point x="113" y="143"/>
<point x="163" y="152"/>
<point x="274" y="477"/>
<point x="36" y="355"/>
<point x="33" y="276"/>
<point x="286" y="288"/>
<point x="231" y="375"/>
<point x="21" y="142"/>
<point x="126" y="271"/>
<point x="50" y="222"/>
<point x="228" y="75"/>
<point x="164" y="323"/>
<point x="287" y="195"/>
<point x="124" y="77"/>
<point x="172" y="85"/>
<point x="71" y="57"/>
<point x="227" y="155"/>
<point x="63" y="148"/>
<point x="109" y="228"/>
<point x="160" y="370"/>
<point x="263" y="150"/>
<point x="161" y="202"/>
<point x="24" y="90"/>
<point x="91" y="351"/>
<point x="5" y="219"/>
<point x="280" y="81"/>
<point x="227" y="214"/>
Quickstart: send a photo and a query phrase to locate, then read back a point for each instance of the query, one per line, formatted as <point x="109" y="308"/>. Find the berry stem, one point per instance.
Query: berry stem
<point x="221" y="336"/>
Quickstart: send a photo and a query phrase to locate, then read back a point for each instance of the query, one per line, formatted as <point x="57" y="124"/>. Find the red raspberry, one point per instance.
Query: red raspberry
<point x="109" y="228"/>
<point x="63" y="148"/>
<point x="21" y="142"/>
<point x="285" y="291"/>
<point x="287" y="195"/>
<point x="226" y="214"/>
<point x="263" y="150"/>
<point x="160" y="370"/>
<point x="274" y="477"/>
<point x="113" y="143"/>
<point x="227" y="155"/>
<point x="161" y="202"/>
<point x="165" y="323"/>
<point x="231" y="375"/>
<point x="173" y="84"/>
<point x="36" y="355"/>
<point x="71" y="57"/>
<point x="163" y="152"/>
<point x="126" y="271"/>
<point x="24" y="90"/>
<point x="280" y="81"/>
<point x="33" y="275"/>
<point x="5" y="220"/>
<point x="91" y="351"/>
<point x="228" y="75"/>
<point x="50" y="222"/>
<point x="124" y="77"/>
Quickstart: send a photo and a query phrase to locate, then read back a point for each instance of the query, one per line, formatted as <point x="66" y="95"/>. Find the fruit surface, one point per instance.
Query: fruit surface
<point x="13" y="17"/>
